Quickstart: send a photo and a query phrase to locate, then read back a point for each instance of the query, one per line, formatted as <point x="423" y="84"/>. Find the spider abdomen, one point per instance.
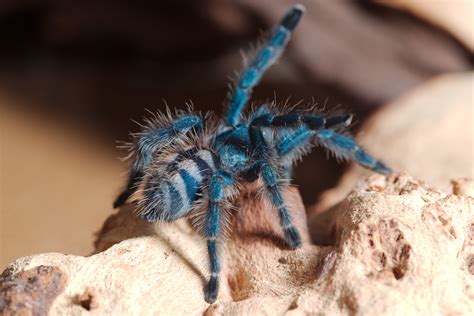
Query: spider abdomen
<point x="175" y="184"/>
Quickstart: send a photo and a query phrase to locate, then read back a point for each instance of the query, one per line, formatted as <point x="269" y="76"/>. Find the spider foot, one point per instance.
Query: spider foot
<point x="211" y="290"/>
<point x="292" y="237"/>
<point x="383" y="169"/>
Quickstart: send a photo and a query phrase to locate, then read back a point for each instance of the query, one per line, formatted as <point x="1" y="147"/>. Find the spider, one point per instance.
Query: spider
<point x="179" y="164"/>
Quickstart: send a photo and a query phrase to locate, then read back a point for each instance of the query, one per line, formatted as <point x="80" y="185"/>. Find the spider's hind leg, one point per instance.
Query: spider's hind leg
<point x="151" y="140"/>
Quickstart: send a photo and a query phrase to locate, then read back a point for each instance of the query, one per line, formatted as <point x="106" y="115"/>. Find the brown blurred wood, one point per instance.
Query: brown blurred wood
<point x="454" y="17"/>
<point x="373" y="52"/>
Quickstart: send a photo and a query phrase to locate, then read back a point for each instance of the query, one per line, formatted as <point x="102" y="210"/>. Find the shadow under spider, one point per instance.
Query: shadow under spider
<point x="177" y="249"/>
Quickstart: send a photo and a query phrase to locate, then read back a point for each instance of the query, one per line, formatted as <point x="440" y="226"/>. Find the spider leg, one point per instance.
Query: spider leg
<point x="291" y="145"/>
<point x="295" y="132"/>
<point x="289" y="141"/>
<point x="149" y="142"/>
<point x="216" y="196"/>
<point x="271" y="179"/>
<point x="264" y="58"/>
<point x="345" y="147"/>
<point x="311" y="121"/>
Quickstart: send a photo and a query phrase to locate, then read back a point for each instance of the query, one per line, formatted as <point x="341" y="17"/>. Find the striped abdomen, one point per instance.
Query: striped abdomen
<point x="176" y="183"/>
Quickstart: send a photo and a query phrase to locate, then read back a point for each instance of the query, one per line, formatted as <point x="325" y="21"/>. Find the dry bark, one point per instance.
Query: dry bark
<point x="401" y="247"/>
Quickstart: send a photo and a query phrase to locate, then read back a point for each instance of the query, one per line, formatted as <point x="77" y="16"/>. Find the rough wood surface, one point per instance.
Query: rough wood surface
<point x="427" y="133"/>
<point x="401" y="248"/>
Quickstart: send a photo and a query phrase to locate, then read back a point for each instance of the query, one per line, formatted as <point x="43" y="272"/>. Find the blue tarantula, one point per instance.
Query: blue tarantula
<point x="179" y="165"/>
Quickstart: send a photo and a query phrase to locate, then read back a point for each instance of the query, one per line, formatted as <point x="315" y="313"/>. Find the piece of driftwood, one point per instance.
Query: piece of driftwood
<point x="402" y="247"/>
<point x="427" y="133"/>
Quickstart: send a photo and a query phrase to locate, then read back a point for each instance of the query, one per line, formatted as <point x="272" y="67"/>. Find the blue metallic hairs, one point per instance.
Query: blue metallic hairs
<point x="183" y="163"/>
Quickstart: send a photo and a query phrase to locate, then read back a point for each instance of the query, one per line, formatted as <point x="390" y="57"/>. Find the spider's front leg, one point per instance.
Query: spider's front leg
<point x="265" y="57"/>
<point x="271" y="178"/>
<point x="150" y="141"/>
<point x="321" y="127"/>
<point x="346" y="148"/>
<point x="216" y="196"/>
<point x="342" y="146"/>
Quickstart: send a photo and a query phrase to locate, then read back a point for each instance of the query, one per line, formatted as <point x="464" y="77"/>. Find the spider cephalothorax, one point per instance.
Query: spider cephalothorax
<point x="180" y="163"/>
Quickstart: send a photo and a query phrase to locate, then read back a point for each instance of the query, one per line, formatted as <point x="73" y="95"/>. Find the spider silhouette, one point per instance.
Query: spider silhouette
<point x="181" y="165"/>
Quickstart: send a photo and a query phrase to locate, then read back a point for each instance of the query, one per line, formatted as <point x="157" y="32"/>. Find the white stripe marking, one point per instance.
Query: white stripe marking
<point x="166" y="198"/>
<point x="180" y="186"/>
<point x="191" y="167"/>
<point x="207" y="157"/>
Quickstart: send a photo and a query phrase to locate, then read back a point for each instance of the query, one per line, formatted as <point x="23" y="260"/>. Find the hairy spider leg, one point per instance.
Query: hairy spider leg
<point x="264" y="58"/>
<point x="151" y="141"/>
<point x="312" y="121"/>
<point x="346" y="148"/>
<point x="270" y="177"/>
<point x="320" y="126"/>
<point x="291" y="145"/>
<point x="289" y="140"/>
<point x="216" y="195"/>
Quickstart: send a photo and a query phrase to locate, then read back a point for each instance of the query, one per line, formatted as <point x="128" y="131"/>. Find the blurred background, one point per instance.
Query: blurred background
<point x="73" y="75"/>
